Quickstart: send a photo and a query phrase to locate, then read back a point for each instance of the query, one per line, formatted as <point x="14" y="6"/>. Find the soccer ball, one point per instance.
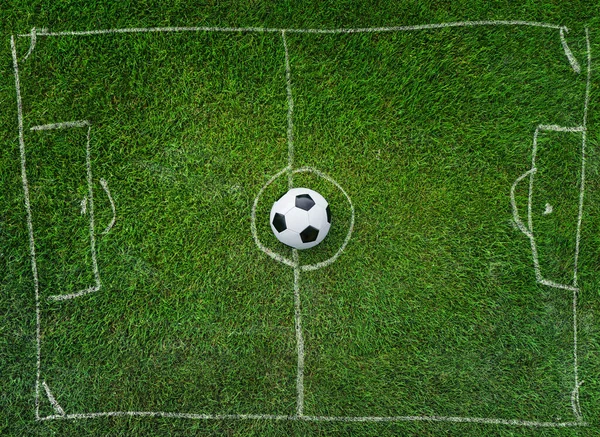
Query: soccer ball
<point x="301" y="218"/>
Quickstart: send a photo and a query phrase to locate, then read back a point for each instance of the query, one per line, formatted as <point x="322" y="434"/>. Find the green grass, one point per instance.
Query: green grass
<point x="432" y="309"/>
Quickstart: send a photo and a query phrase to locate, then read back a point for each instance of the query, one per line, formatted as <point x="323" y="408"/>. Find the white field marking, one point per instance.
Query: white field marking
<point x="548" y="209"/>
<point x="275" y="256"/>
<point x="290" y="113"/>
<point x="44" y="32"/>
<point x="575" y="402"/>
<point x="575" y="398"/>
<point x="553" y="127"/>
<point x="583" y="144"/>
<point x="65" y="125"/>
<point x="528" y="230"/>
<point x="98" y="285"/>
<point x="511" y="422"/>
<point x="84" y="205"/>
<point x="299" y="337"/>
<point x="36" y="281"/>
<point x="171" y="415"/>
<point x="513" y="202"/>
<point x="33" y="36"/>
<point x="574" y="64"/>
<point x="112" y="206"/>
<point x="52" y="400"/>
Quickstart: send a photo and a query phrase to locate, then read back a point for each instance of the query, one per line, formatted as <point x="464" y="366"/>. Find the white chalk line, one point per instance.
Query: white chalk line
<point x="33" y="36"/>
<point x="112" y="207"/>
<point x="36" y="282"/>
<point x="513" y="202"/>
<point x="295" y="256"/>
<point x="299" y="338"/>
<point x="64" y="125"/>
<point x="283" y="259"/>
<point x="577" y="384"/>
<point x="290" y="101"/>
<point x="481" y="420"/>
<point x="528" y="230"/>
<point x="583" y="144"/>
<point x="171" y="415"/>
<point x="556" y="128"/>
<point x="83" y="205"/>
<point x="44" y="32"/>
<point x="52" y="400"/>
<point x="574" y="64"/>
<point x="575" y="403"/>
<point x="98" y="284"/>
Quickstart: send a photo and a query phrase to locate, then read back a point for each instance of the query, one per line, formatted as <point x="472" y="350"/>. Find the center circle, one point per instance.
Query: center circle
<point x="294" y="263"/>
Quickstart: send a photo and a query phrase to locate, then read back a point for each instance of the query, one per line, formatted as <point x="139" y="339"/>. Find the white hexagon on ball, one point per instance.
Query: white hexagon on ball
<point x="301" y="218"/>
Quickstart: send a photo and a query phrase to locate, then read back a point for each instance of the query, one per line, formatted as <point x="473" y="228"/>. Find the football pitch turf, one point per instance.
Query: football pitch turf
<point x="144" y="293"/>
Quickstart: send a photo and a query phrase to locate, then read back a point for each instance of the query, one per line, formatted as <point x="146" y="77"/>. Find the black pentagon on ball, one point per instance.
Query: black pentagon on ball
<point x="304" y="201"/>
<point x="279" y="222"/>
<point x="309" y="235"/>
<point x="328" y="214"/>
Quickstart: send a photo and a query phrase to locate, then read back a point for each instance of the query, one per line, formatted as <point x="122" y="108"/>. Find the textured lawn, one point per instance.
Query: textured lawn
<point x="431" y="310"/>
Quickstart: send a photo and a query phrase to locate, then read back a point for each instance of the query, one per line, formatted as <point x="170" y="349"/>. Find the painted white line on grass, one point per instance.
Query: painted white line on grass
<point x="295" y="262"/>
<point x="515" y="209"/>
<point x="64" y="125"/>
<point x="513" y="422"/>
<point x="299" y="338"/>
<point x="33" y="36"/>
<point x="528" y="230"/>
<point x="575" y="402"/>
<point x="557" y="285"/>
<point x="36" y="281"/>
<point x="98" y="284"/>
<point x="52" y="400"/>
<point x="575" y="395"/>
<point x="112" y="206"/>
<point x="83" y="204"/>
<point x="171" y="415"/>
<point x="489" y="421"/>
<point x="583" y="144"/>
<point x="556" y="128"/>
<point x="44" y="32"/>
<point x="290" y="113"/>
<point x="574" y="64"/>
